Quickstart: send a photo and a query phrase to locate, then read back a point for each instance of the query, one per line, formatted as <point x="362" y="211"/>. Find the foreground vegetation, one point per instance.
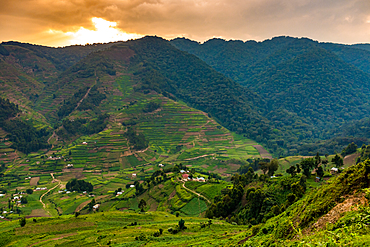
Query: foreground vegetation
<point x="119" y="229"/>
<point x="288" y="210"/>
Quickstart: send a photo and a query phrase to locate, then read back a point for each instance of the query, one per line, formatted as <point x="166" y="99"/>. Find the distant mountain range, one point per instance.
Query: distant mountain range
<point x="292" y="95"/>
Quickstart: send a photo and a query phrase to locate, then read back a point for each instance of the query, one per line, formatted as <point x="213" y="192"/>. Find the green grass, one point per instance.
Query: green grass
<point x="113" y="227"/>
<point x="194" y="208"/>
<point x="211" y="190"/>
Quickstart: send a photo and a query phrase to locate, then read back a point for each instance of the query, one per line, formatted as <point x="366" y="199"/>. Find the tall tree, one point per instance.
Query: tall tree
<point x="264" y="166"/>
<point x="291" y="170"/>
<point x="307" y="165"/>
<point x="337" y="160"/>
<point x="142" y="205"/>
<point x="317" y="159"/>
<point x="273" y="166"/>
<point x="320" y="172"/>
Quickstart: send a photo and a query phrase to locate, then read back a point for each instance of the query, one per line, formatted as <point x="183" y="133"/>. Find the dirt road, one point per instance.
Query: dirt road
<point x="43" y="204"/>
<point x="192" y="191"/>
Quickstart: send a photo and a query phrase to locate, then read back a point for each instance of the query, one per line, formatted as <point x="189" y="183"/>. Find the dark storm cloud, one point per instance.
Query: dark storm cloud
<point x="331" y="20"/>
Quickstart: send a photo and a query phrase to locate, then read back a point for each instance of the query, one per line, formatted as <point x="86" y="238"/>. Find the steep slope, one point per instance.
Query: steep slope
<point x="357" y="55"/>
<point x="334" y="214"/>
<point x="322" y="86"/>
<point x="108" y="93"/>
<point x="193" y="81"/>
<point x="316" y="85"/>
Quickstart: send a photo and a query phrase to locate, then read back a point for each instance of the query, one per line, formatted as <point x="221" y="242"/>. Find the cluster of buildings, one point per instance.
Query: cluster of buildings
<point x="17" y="197"/>
<point x="40" y="188"/>
<point x="185" y="177"/>
<point x="55" y="158"/>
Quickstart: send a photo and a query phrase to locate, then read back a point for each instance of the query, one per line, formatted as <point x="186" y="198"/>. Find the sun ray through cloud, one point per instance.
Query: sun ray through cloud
<point x="104" y="32"/>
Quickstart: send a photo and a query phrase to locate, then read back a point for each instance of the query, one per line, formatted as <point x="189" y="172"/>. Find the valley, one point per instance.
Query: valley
<point x="118" y="143"/>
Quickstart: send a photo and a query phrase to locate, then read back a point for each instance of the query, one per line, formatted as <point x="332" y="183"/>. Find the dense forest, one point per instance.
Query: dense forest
<point x="61" y="58"/>
<point x="82" y="126"/>
<point x="84" y="99"/>
<point x="191" y="80"/>
<point x="315" y="91"/>
<point x="136" y="139"/>
<point x="23" y="135"/>
<point x="79" y="185"/>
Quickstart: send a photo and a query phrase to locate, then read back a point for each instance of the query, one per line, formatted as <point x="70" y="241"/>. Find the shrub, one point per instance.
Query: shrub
<point x="141" y="237"/>
<point x="182" y="224"/>
<point x="24" y="200"/>
<point x="22" y="222"/>
<point x="255" y="229"/>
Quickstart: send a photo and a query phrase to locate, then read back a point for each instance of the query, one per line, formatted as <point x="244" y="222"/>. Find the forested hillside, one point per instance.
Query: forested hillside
<point x="293" y="95"/>
<point x="323" y="87"/>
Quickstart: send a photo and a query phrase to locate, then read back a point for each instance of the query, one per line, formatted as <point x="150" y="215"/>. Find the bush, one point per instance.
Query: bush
<point x="182" y="224"/>
<point x="141" y="237"/>
<point x="255" y="229"/>
<point x="22" y="222"/>
<point x="24" y="200"/>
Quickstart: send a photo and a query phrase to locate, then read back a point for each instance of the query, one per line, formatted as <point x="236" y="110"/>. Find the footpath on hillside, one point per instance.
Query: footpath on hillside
<point x="43" y="204"/>
<point x="192" y="191"/>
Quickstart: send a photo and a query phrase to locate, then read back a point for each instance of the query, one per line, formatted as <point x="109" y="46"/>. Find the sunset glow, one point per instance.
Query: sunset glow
<point x="105" y="31"/>
<point x="67" y="22"/>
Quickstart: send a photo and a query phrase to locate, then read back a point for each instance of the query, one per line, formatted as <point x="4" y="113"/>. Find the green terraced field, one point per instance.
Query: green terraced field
<point x="175" y="132"/>
<point x="114" y="228"/>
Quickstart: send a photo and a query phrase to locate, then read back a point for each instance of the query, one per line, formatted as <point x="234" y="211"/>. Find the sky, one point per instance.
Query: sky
<point x="68" y="22"/>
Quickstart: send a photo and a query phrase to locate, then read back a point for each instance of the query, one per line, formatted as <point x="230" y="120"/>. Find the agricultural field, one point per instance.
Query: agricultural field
<point x="168" y="196"/>
<point x="119" y="229"/>
<point x="176" y="134"/>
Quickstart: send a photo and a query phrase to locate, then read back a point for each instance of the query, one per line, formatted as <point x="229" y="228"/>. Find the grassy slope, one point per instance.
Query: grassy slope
<point x="323" y="215"/>
<point x="113" y="227"/>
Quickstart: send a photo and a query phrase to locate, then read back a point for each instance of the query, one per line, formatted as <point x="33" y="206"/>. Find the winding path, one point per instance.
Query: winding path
<point x="192" y="191"/>
<point x="43" y="204"/>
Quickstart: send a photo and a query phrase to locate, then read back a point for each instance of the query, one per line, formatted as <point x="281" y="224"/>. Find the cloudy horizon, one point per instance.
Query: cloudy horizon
<point x="62" y="23"/>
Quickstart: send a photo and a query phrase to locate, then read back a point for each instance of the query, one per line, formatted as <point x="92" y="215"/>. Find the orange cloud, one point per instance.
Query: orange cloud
<point x="104" y="32"/>
<point x="30" y="21"/>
